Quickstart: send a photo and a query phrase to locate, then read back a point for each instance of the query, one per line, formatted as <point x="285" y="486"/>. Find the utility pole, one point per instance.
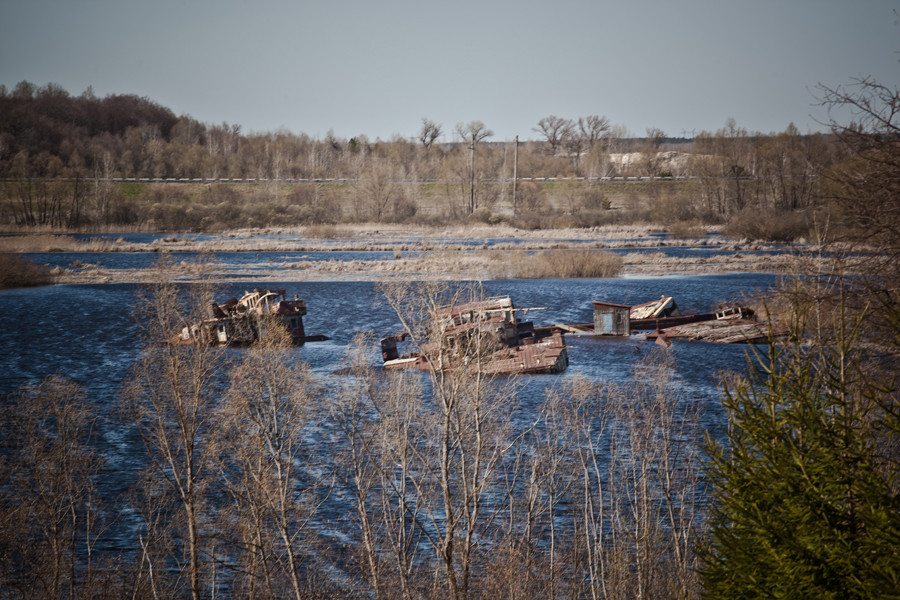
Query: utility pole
<point x="472" y="184"/>
<point x="474" y="132"/>
<point x="515" y="174"/>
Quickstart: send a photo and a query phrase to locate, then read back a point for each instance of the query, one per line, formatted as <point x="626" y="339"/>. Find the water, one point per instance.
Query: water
<point x="244" y="261"/>
<point x="88" y="333"/>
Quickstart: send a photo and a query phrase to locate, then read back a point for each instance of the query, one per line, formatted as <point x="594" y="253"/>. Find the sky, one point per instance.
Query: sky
<point x="377" y="68"/>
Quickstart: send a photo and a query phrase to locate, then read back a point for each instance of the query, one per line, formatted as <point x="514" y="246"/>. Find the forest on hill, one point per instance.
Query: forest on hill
<point x="87" y="163"/>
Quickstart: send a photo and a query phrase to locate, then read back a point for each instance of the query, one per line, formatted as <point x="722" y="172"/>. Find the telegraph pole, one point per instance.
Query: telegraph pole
<point x="472" y="185"/>
<point x="515" y="174"/>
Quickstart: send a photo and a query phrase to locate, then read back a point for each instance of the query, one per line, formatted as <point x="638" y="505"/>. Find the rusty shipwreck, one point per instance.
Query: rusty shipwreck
<point x="486" y="336"/>
<point x="239" y="322"/>
<point x="664" y="321"/>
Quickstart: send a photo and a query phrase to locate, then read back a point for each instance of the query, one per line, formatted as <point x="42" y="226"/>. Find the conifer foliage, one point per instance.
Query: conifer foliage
<point x="805" y="491"/>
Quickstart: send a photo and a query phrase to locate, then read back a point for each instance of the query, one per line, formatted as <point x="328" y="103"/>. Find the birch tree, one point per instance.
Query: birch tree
<point x="265" y="466"/>
<point x="172" y="396"/>
<point x="50" y="509"/>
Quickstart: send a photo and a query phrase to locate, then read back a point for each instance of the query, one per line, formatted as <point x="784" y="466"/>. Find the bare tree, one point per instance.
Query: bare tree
<point x="532" y="547"/>
<point x="426" y="470"/>
<point x="171" y="396"/>
<point x="556" y="130"/>
<point x="865" y="186"/>
<point x="429" y="132"/>
<point x="650" y="152"/>
<point x="379" y="417"/>
<point x="584" y="135"/>
<point x="49" y="504"/>
<point x="377" y="188"/>
<point x="591" y="129"/>
<point x="263" y="458"/>
<point x="472" y="133"/>
<point x="618" y="480"/>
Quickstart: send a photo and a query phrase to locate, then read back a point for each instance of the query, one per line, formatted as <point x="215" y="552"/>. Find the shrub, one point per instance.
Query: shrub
<point x="594" y="199"/>
<point x="19" y="272"/>
<point x="402" y="211"/>
<point x="481" y="215"/>
<point x="687" y="230"/>
<point x="767" y="225"/>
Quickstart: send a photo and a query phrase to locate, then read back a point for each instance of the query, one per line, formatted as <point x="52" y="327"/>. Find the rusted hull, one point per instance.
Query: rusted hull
<point x="720" y="331"/>
<point x="663" y="314"/>
<point x="547" y="356"/>
<point x="635" y="325"/>
<point x="664" y="322"/>
<point x="520" y="347"/>
<point x="245" y="321"/>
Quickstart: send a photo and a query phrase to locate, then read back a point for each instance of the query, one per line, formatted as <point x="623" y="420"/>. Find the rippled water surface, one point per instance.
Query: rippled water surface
<point x="87" y="333"/>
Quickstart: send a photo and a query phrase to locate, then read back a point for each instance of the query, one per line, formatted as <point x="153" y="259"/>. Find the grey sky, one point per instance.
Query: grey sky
<point x="377" y="68"/>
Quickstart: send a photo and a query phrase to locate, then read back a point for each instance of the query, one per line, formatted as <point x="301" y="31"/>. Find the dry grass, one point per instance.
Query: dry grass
<point x="323" y="232"/>
<point x="688" y="230"/>
<point x="15" y="272"/>
<point x="562" y="264"/>
<point x="54" y="243"/>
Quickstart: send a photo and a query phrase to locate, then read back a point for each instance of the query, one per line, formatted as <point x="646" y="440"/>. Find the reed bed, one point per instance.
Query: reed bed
<point x="688" y="230"/>
<point x="55" y="243"/>
<point x="563" y="264"/>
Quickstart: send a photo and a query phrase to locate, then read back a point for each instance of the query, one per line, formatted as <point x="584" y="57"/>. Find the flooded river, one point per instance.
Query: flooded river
<point x="87" y="333"/>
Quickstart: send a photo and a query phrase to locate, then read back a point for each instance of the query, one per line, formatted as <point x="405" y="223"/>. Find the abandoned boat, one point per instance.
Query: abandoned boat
<point x="730" y="326"/>
<point x="486" y="336"/>
<point x="241" y="322"/>
<point x="612" y="319"/>
<point x="664" y="321"/>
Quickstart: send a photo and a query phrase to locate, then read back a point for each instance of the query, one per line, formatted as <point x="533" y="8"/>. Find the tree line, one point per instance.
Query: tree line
<point x="435" y="175"/>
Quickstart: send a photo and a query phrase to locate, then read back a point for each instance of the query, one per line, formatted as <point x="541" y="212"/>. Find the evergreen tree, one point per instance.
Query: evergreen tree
<point x="804" y="489"/>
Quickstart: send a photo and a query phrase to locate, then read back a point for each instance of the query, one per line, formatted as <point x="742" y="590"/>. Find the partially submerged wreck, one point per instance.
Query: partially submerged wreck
<point x="241" y="322"/>
<point x="730" y="326"/>
<point x="663" y="321"/>
<point x="484" y="335"/>
<point x="623" y="319"/>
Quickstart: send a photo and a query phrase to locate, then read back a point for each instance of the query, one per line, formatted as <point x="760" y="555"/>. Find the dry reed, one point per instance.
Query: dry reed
<point x="688" y="230"/>
<point x="16" y="271"/>
<point x="55" y="243"/>
<point x="563" y="264"/>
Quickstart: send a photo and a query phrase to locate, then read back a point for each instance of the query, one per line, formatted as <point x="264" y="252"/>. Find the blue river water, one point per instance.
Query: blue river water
<point x="266" y="260"/>
<point x="88" y="333"/>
